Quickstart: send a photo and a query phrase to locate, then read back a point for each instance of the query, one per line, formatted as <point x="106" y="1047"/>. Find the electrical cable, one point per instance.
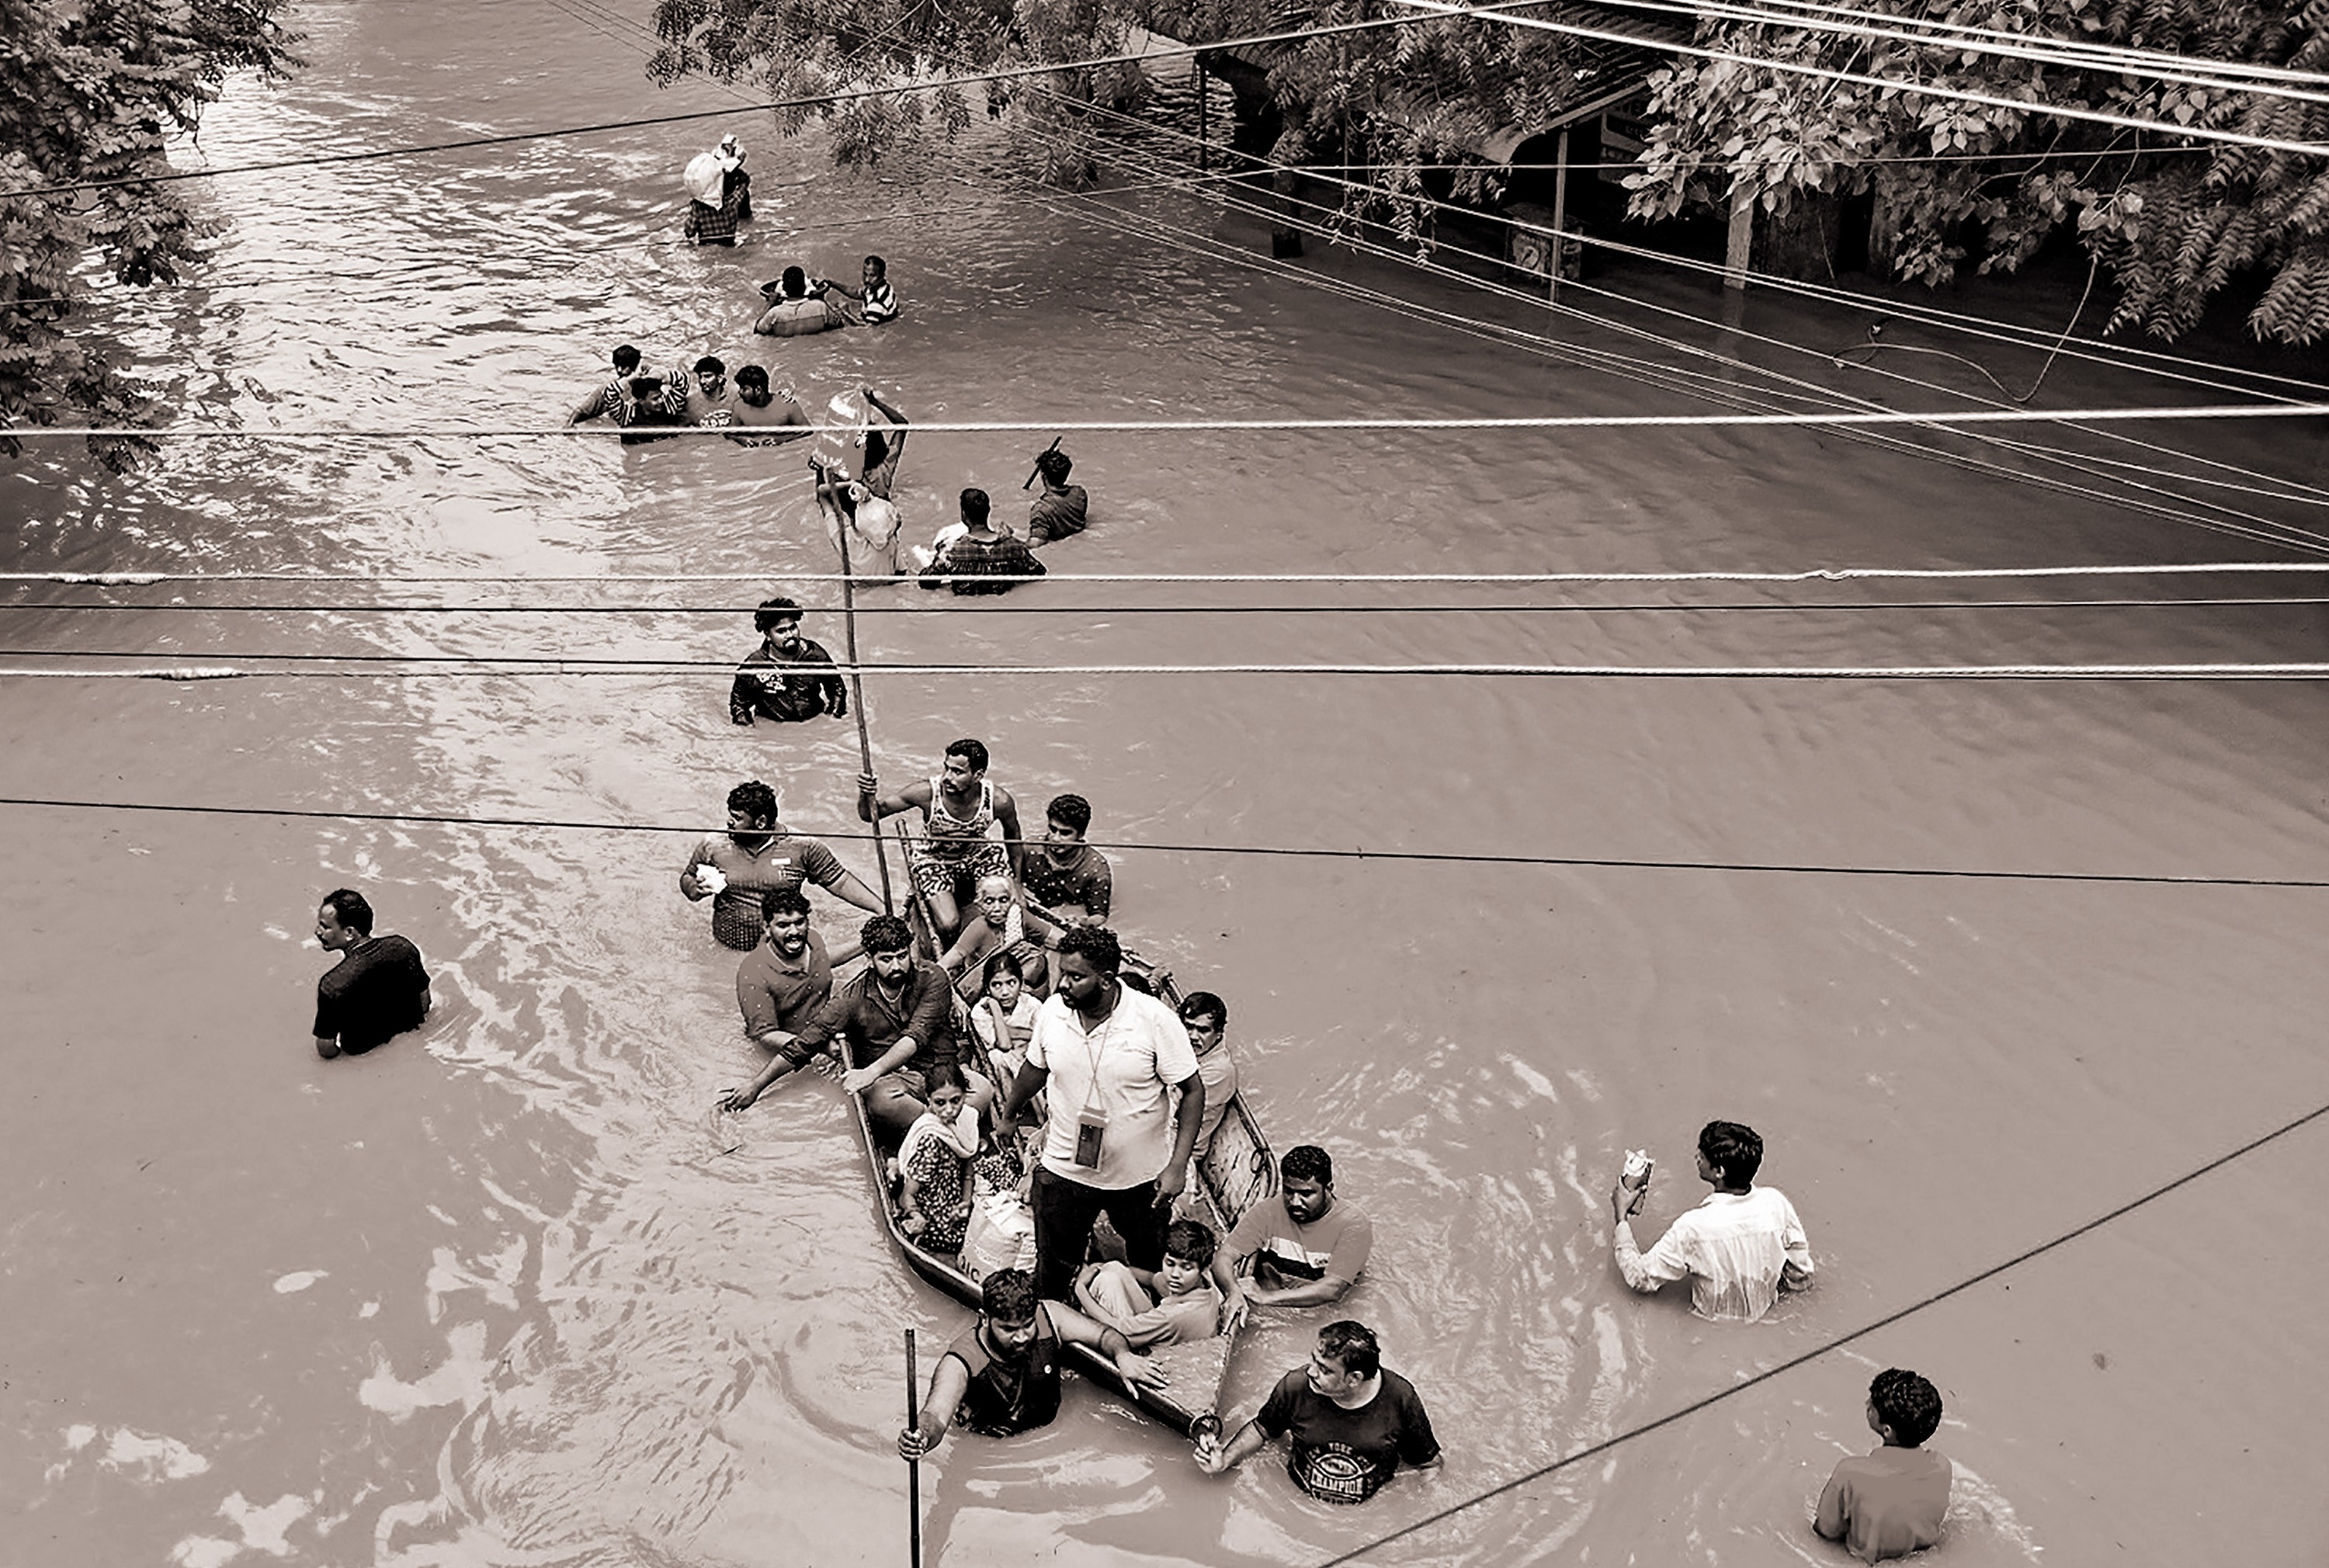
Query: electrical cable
<point x="2270" y="529"/>
<point x="1810" y="575"/>
<point x="1732" y="1390"/>
<point x="2042" y="109"/>
<point x="2267" y="529"/>
<point x="2315" y="495"/>
<point x="848" y="834"/>
<point x="2130" y="415"/>
<point x="1022" y="607"/>
<point x="2068" y="53"/>
<point x="1417" y="198"/>
<point x="491" y="667"/>
<point x="808" y="101"/>
<point x="2133" y="57"/>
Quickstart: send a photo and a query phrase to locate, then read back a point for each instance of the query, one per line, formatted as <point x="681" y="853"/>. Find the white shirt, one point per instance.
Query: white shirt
<point x="1124" y="1067"/>
<point x="1736" y="1249"/>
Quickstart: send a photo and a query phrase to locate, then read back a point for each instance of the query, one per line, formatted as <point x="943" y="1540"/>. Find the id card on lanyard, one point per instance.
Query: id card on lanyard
<point x="1092" y="1121"/>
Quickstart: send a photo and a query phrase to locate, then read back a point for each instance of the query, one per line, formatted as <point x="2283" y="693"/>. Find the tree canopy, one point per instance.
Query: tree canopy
<point x="96" y="90"/>
<point x="2177" y="222"/>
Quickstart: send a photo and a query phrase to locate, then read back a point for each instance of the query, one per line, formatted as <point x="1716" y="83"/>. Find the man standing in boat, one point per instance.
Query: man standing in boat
<point x="958" y="806"/>
<point x="1003" y="1377"/>
<point x="1114" y="1058"/>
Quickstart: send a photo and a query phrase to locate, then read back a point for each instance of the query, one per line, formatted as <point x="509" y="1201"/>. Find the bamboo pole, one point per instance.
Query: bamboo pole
<point x="857" y="698"/>
<point x="913" y="1467"/>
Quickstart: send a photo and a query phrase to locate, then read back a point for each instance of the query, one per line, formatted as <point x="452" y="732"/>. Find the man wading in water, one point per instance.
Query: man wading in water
<point x="377" y="992"/>
<point x="1003" y="1377"/>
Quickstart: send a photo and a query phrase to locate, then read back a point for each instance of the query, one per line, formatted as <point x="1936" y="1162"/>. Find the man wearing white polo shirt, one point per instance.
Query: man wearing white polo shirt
<point x="1109" y="1061"/>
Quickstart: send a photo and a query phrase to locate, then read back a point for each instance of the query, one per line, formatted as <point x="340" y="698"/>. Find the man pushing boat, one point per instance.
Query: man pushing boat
<point x="1003" y="1377"/>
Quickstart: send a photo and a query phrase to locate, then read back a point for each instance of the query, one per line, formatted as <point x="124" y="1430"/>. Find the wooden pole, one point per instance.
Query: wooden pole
<point x="857" y="698"/>
<point x="1559" y="213"/>
<point x="913" y="1467"/>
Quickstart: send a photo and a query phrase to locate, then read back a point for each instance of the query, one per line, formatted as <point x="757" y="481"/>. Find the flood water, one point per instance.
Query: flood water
<point x="495" y="1295"/>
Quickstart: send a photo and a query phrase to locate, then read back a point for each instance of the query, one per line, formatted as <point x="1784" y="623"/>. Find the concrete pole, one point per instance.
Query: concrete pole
<point x="1740" y="255"/>
<point x="1560" y="212"/>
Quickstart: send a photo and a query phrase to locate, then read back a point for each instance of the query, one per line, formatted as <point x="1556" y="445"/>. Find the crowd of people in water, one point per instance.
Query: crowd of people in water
<point x="1029" y="978"/>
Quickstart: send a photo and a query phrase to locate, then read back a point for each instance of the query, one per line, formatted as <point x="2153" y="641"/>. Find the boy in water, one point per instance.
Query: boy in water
<point x="1891" y="1502"/>
<point x="1162" y="1306"/>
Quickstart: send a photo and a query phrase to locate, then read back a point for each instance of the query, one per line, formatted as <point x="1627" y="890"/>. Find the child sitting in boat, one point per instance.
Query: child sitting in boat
<point x="934" y="1164"/>
<point x="1004" y="1016"/>
<point x="1166" y="1305"/>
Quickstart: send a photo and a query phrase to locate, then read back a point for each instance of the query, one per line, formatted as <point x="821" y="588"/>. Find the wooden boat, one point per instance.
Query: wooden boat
<point x="1234" y="1173"/>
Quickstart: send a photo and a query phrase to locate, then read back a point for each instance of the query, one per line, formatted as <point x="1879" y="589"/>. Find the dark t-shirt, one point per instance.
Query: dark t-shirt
<point x="1004" y="1398"/>
<point x="1344" y="1456"/>
<point x="1084" y="880"/>
<point x="373" y="993"/>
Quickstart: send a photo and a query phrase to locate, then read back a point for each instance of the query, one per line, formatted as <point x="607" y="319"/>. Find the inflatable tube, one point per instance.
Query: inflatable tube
<point x="792" y="318"/>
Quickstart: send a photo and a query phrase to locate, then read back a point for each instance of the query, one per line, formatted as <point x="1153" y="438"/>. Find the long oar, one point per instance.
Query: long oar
<point x="913" y="1467"/>
<point x="857" y="696"/>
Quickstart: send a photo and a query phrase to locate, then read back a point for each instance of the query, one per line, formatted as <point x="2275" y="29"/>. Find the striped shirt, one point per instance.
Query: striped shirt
<point x="1737" y="1249"/>
<point x="880" y="302"/>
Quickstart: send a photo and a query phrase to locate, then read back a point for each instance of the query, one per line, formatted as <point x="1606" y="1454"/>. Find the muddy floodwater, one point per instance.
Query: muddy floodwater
<point x="497" y="1296"/>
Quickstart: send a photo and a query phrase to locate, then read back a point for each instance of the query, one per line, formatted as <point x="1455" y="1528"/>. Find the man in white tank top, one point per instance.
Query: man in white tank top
<point x="959" y="807"/>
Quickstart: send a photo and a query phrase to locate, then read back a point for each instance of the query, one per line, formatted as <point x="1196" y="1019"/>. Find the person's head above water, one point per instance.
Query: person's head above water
<point x="876" y="269"/>
<point x="1730" y="1153"/>
<point x="755" y="803"/>
<point x="1007" y="1300"/>
<point x="1055" y="465"/>
<point x="975" y="508"/>
<point x="753" y="386"/>
<point x="795" y="283"/>
<point x="342" y="919"/>
<point x="776" y="613"/>
<point x="1903" y="1408"/>
<point x="626" y="360"/>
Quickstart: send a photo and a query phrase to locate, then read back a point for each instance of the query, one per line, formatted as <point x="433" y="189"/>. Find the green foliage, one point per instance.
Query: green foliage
<point x="1393" y="98"/>
<point x="2177" y="227"/>
<point x="95" y="89"/>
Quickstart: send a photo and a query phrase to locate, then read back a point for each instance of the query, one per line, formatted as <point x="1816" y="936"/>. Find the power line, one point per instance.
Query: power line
<point x="495" y="667"/>
<point x="1018" y="607"/>
<point x="1810" y="575"/>
<point x="2040" y="49"/>
<point x="1151" y="427"/>
<point x="2276" y="532"/>
<point x="1960" y="95"/>
<point x="1732" y="1390"/>
<point x="809" y="100"/>
<point x="1429" y="857"/>
<point x="2134" y="56"/>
